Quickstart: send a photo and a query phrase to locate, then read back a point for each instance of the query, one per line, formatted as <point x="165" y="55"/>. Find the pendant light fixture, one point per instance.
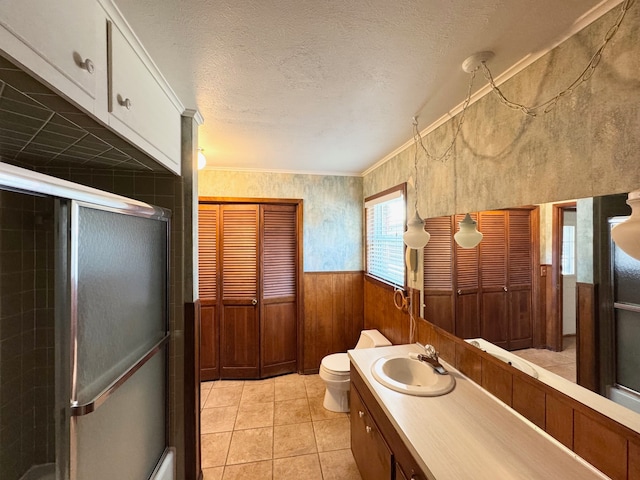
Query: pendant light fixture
<point x="416" y="236"/>
<point x="468" y="236"/>
<point x="627" y="234"/>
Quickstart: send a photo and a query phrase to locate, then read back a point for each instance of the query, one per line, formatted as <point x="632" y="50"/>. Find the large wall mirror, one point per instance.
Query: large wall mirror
<point x="546" y="284"/>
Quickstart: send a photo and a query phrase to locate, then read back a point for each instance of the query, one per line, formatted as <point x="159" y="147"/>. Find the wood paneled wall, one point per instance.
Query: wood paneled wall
<point x="380" y="312"/>
<point x="587" y="348"/>
<point x="606" y="444"/>
<point x="333" y="314"/>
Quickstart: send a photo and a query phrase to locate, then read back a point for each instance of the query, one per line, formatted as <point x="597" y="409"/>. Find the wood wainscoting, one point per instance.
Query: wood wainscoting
<point x="333" y="314"/>
<point x="381" y="313"/>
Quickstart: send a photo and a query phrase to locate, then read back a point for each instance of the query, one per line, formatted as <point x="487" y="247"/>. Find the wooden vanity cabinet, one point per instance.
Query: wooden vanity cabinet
<point x="379" y="451"/>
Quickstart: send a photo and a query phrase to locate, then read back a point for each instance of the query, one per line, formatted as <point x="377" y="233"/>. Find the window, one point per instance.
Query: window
<point x="568" y="250"/>
<point x="385" y="221"/>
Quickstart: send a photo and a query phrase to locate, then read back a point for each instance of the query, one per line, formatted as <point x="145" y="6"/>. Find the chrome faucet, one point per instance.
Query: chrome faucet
<point x="430" y="356"/>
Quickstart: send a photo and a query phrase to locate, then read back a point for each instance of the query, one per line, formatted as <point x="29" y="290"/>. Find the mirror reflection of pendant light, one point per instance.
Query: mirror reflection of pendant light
<point x="202" y="160"/>
<point x="627" y="234"/>
<point x="468" y="236"/>
<point x="416" y="236"/>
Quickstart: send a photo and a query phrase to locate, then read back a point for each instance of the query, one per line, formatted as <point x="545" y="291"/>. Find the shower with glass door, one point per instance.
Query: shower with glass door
<point x="83" y="333"/>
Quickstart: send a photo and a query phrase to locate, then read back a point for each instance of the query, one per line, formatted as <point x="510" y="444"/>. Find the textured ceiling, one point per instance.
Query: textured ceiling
<point x="331" y="86"/>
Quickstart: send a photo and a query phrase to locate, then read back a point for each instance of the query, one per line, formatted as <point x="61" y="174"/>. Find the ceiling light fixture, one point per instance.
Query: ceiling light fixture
<point x="416" y="236"/>
<point x="627" y="234"/>
<point x="202" y="160"/>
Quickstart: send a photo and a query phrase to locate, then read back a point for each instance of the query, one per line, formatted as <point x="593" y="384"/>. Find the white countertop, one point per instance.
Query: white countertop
<point x="468" y="433"/>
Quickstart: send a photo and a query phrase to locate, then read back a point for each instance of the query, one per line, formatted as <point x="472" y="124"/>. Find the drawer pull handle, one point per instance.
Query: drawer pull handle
<point x="368" y="429"/>
<point x="88" y="65"/>
<point x="360" y="413"/>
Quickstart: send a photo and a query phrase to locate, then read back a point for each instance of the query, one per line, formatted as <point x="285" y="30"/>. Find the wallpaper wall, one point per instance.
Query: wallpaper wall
<point x="587" y="146"/>
<point x="332" y="217"/>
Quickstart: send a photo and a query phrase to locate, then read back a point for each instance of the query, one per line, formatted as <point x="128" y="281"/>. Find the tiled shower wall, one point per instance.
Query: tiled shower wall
<point x="26" y="334"/>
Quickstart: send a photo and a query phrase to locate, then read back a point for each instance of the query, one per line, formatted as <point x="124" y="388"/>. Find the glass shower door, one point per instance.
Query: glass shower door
<point x="115" y="264"/>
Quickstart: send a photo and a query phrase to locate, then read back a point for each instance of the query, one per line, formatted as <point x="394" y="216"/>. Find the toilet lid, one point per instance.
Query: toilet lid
<point x="337" y="362"/>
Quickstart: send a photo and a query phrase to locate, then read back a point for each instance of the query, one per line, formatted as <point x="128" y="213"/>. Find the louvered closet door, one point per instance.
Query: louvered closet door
<point x="467" y="288"/>
<point x="278" y="312"/>
<point x="208" y="290"/>
<point x="520" y="280"/>
<point x="239" y="329"/>
<point x="493" y="277"/>
<point x="438" y="273"/>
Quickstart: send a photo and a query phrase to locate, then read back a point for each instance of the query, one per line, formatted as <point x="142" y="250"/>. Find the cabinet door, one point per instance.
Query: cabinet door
<point x="208" y="290"/>
<point x="239" y="329"/>
<point x="278" y="312"/>
<point x="370" y="451"/>
<point x="140" y="108"/>
<point x="438" y="274"/>
<point x="54" y="40"/>
<point x="493" y="277"/>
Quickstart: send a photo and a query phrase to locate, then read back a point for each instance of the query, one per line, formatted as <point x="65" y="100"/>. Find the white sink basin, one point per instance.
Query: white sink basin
<point x="412" y="377"/>
<point x="514" y="362"/>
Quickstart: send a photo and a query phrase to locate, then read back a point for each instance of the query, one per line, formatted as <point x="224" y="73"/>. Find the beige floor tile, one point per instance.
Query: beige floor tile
<point x="212" y="473"/>
<point x="227" y="383"/>
<point x="223" y="397"/>
<point x="293" y="440"/>
<point x="339" y="465"/>
<point x="315" y="388"/>
<point x="332" y="434"/>
<point x="305" y="467"/>
<point x="252" y="445"/>
<point x="214" y="448"/>
<point x="290" y="390"/>
<point x="253" y="471"/>
<point x="290" y="378"/>
<point x="218" y="419"/>
<point x="257" y="393"/>
<point x="205" y="388"/>
<point x="318" y="412"/>
<point x="254" y="415"/>
<point x="292" y="411"/>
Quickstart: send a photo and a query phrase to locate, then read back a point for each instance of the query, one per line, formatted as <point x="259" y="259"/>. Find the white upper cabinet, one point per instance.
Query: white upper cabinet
<point x="86" y="51"/>
<point x="63" y="42"/>
<point x="140" y="107"/>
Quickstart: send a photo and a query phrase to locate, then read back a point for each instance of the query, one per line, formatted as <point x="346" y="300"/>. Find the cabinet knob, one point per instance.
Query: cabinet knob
<point x="88" y="65"/>
<point x="368" y="429"/>
<point x="126" y="103"/>
<point x="360" y="413"/>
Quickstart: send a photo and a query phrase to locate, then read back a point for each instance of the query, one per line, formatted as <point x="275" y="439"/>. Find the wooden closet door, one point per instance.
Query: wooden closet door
<point x="520" y="280"/>
<point x="493" y="277"/>
<point x="467" y="288"/>
<point x="278" y="312"/>
<point x="439" y="297"/>
<point x="239" y="328"/>
<point x="208" y="290"/>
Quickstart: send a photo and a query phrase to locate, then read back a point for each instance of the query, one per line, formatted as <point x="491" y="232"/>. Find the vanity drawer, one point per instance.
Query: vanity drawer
<point x="370" y="451"/>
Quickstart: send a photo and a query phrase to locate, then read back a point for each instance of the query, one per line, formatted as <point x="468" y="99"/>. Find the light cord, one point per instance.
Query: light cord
<point x="586" y="74"/>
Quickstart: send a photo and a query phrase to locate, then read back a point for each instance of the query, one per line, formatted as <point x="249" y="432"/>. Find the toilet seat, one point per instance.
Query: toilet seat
<point x="336" y="363"/>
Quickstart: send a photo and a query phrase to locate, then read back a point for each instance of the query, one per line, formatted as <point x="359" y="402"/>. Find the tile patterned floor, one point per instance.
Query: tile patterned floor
<point x="561" y="363"/>
<point x="273" y="429"/>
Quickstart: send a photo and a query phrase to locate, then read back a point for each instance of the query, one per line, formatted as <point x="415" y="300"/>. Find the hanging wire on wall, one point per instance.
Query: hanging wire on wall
<point x="585" y="75"/>
<point x="417" y="138"/>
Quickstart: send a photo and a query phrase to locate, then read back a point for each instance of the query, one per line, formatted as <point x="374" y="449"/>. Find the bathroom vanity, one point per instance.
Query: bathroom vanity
<point x="466" y="433"/>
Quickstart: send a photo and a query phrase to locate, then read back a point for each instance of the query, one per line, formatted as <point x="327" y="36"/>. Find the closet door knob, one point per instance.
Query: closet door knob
<point x="459" y="291"/>
<point x="505" y="289"/>
<point x="254" y="302"/>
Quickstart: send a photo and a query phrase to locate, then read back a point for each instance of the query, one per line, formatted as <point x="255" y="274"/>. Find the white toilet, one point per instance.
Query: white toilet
<point x="334" y="370"/>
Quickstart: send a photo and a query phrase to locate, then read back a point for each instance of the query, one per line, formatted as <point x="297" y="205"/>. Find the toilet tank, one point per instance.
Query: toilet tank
<point x="372" y="338"/>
